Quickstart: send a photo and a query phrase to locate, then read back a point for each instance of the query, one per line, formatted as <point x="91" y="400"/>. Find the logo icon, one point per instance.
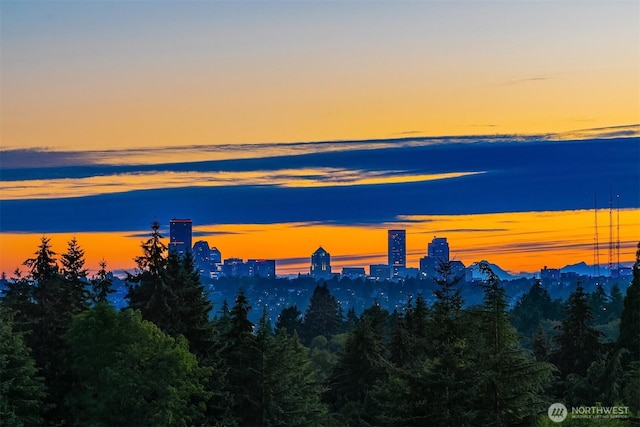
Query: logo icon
<point x="557" y="412"/>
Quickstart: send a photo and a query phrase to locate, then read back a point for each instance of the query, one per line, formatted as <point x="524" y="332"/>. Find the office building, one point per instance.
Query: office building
<point x="215" y="256"/>
<point x="180" y="232"/>
<point x="380" y="271"/>
<point x="320" y="264"/>
<point x="550" y="274"/>
<point x="253" y="267"/>
<point x="438" y="249"/>
<point x="354" y="272"/>
<point x="235" y="267"/>
<point x="428" y="266"/>
<point x="261" y="267"/>
<point x="201" y="258"/>
<point x="397" y="250"/>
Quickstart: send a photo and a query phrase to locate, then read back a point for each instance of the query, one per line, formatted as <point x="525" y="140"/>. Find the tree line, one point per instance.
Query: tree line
<point x="68" y="357"/>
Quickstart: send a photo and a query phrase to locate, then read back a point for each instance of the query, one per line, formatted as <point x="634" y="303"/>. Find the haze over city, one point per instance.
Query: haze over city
<point x="282" y="126"/>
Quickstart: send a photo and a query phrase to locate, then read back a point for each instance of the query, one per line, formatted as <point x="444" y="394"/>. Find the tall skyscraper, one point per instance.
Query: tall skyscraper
<point x="397" y="241"/>
<point x="180" y="232"/>
<point x="320" y="264"/>
<point x="438" y="249"/>
<point x="201" y="257"/>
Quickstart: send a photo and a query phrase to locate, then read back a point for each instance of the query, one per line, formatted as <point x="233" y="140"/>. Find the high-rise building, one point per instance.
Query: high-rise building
<point x="215" y="255"/>
<point x="201" y="257"/>
<point x="397" y="242"/>
<point x="262" y="267"/>
<point x="180" y="232"/>
<point x="251" y="268"/>
<point x="235" y="267"/>
<point x="320" y="264"/>
<point x="438" y="249"/>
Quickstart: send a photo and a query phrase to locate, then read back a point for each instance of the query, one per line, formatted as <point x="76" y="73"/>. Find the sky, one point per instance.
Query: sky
<point x="278" y="126"/>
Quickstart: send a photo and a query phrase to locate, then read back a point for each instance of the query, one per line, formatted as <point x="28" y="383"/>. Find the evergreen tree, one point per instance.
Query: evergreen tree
<point x="223" y="320"/>
<point x="19" y="298"/>
<point x="22" y="391"/>
<point x="599" y="301"/>
<point x="243" y="360"/>
<point x="288" y="392"/>
<point x="324" y="355"/>
<point x="129" y="373"/>
<point x="147" y="289"/>
<point x="75" y="278"/>
<point x="446" y="379"/>
<point x="578" y="343"/>
<point x="359" y="368"/>
<point x="351" y="320"/>
<point x="169" y="294"/>
<point x="392" y="401"/>
<point x="44" y="266"/>
<point x="418" y="323"/>
<point x="540" y="346"/>
<point x="153" y="257"/>
<point x="265" y="367"/>
<point x="102" y="284"/>
<point x="73" y="261"/>
<point x="532" y="308"/>
<point x="56" y="300"/>
<point x="380" y="320"/>
<point x="508" y="383"/>
<point x="401" y="348"/>
<point x="189" y="307"/>
<point x="631" y="389"/>
<point x="294" y="389"/>
<point x="616" y="303"/>
<point x="629" y="337"/>
<point x="603" y="382"/>
<point x="322" y="316"/>
<point x="290" y="320"/>
<point x="167" y="291"/>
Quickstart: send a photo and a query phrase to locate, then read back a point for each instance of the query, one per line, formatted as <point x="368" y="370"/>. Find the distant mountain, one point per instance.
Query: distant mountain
<point x="581" y="268"/>
<point x="499" y="271"/>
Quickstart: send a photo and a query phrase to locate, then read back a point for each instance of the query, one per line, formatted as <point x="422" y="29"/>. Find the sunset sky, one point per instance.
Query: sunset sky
<point x="278" y="126"/>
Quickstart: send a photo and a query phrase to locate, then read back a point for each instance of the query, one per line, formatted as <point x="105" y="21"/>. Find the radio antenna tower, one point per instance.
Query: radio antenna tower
<point x="611" y="247"/>
<point x="596" y="250"/>
<point x="618" y="236"/>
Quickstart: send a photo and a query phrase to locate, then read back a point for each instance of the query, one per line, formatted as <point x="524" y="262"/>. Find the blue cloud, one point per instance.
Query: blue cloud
<point x="520" y="176"/>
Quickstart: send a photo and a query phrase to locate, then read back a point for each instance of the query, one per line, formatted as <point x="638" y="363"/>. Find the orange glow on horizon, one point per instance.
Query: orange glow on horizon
<point x="523" y="241"/>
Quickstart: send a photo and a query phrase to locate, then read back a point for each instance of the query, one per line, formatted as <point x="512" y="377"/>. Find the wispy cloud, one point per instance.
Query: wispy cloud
<point x="408" y="132"/>
<point x="531" y="79"/>
<point x="466" y="230"/>
<point x="292" y="178"/>
<point x="45" y="161"/>
<point x="44" y="158"/>
<point x="621" y="131"/>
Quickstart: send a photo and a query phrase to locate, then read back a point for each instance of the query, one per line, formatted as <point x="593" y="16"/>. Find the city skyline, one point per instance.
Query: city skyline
<point x="282" y="126"/>
<point x="437" y="248"/>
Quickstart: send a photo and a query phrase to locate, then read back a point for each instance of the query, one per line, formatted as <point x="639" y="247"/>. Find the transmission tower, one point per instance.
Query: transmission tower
<point x="611" y="245"/>
<point x="596" y="249"/>
<point x="618" y="236"/>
